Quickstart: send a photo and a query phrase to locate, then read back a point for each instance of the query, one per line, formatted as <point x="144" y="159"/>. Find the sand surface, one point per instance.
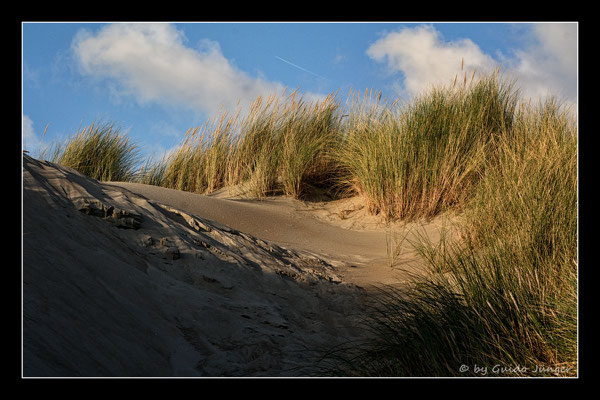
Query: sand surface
<point x="359" y="245"/>
<point x="130" y="280"/>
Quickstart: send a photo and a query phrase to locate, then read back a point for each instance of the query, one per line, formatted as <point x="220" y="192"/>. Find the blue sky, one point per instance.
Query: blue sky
<point x="156" y="81"/>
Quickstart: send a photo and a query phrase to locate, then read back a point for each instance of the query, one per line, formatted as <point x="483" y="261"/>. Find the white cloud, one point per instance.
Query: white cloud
<point x="152" y="63"/>
<point x="425" y="59"/>
<point x="31" y="141"/>
<point x="548" y="65"/>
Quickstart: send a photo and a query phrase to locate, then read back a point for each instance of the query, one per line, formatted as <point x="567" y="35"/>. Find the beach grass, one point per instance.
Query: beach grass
<point x="152" y="171"/>
<point x="502" y="299"/>
<point x="415" y="160"/>
<point x="99" y="150"/>
<point x="199" y="164"/>
<point x="407" y="161"/>
<point x="280" y="146"/>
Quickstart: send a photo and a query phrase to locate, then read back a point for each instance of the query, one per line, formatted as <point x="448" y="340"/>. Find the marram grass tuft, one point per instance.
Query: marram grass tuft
<point x="99" y="151"/>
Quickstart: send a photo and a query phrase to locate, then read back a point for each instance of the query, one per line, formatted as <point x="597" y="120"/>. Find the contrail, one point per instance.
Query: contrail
<point x="299" y="67"/>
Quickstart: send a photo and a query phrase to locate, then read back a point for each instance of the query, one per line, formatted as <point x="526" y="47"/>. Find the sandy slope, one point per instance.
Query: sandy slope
<point x="168" y="283"/>
<point x="356" y="244"/>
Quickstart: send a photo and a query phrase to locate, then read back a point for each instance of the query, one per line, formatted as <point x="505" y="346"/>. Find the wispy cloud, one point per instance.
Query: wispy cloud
<point x="31" y="141"/>
<point x="152" y="63"/>
<point x="31" y="76"/>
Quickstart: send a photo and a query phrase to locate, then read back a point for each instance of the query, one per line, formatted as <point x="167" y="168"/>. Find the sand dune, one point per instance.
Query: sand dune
<point x="357" y="246"/>
<point x="123" y="279"/>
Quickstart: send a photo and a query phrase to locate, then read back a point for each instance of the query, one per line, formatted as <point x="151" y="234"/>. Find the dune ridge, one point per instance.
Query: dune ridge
<point x="116" y="284"/>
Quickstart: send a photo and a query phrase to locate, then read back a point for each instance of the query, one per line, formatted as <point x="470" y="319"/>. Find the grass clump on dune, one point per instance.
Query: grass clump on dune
<point x="200" y="163"/>
<point x="152" y="172"/>
<point x="414" y="161"/>
<point x="99" y="151"/>
<point x="308" y="134"/>
<point x="280" y="146"/>
<point x="406" y="162"/>
<point x="504" y="297"/>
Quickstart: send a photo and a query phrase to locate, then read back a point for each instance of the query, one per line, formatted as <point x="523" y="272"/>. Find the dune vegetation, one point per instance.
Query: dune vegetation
<point x="99" y="151"/>
<point x="502" y="292"/>
<point x="502" y="300"/>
